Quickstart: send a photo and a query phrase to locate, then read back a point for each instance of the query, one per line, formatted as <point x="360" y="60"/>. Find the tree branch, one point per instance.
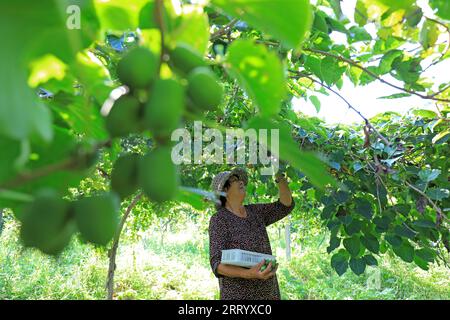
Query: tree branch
<point x="66" y="164"/>
<point x="348" y="104"/>
<point x="222" y="31"/>
<point x="372" y="74"/>
<point x="438" y="210"/>
<point x="113" y="251"/>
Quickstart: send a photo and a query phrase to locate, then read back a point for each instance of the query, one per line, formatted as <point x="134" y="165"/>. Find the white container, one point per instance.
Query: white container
<point x="243" y="258"/>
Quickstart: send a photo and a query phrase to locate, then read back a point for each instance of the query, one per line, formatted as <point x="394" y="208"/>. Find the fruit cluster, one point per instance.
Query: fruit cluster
<point x="49" y="222"/>
<point x="157" y="105"/>
<point x="266" y="264"/>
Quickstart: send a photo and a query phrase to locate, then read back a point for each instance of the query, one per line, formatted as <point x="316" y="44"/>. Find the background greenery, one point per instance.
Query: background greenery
<point x="370" y="195"/>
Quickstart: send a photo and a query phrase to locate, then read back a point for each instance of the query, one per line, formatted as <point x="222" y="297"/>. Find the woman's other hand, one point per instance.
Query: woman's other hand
<point x="256" y="273"/>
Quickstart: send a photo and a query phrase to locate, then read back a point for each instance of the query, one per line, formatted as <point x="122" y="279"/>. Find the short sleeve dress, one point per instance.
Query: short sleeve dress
<point x="229" y="231"/>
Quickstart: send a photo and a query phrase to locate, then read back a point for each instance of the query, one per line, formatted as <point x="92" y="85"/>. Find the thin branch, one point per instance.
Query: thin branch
<point x="372" y="74"/>
<point x="348" y="104"/>
<point x="224" y="30"/>
<point x="438" y="210"/>
<point x="71" y="163"/>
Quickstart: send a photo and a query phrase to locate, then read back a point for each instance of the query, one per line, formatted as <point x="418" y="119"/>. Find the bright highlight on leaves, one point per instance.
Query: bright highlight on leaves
<point x="286" y="20"/>
<point x="260" y="73"/>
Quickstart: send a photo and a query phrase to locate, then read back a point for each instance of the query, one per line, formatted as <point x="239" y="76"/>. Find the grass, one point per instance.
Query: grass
<point x="179" y="269"/>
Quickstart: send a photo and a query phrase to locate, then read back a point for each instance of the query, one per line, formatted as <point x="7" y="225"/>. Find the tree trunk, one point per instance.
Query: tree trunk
<point x="113" y="251"/>
<point x="288" y="239"/>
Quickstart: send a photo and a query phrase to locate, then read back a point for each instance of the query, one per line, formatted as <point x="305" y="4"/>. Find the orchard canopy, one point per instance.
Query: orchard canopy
<point x="92" y="90"/>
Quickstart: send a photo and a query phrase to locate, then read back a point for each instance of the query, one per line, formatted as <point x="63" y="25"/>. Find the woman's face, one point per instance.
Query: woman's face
<point x="236" y="189"/>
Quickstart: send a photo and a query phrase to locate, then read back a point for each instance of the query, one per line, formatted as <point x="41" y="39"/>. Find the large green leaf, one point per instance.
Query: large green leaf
<point x="352" y="245"/>
<point x="429" y="34"/>
<point x="192" y="29"/>
<point x="260" y="73"/>
<point x="357" y="265"/>
<point x="371" y="243"/>
<point x="286" y="20"/>
<point x="331" y="71"/>
<point x="289" y="150"/>
<point x="364" y="208"/>
<point x="30" y="29"/>
<point x="339" y="262"/>
<point x="442" y="7"/>
<point x="405" y="251"/>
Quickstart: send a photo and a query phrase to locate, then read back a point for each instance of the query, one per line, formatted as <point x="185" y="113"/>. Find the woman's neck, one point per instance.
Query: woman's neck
<point x="236" y="207"/>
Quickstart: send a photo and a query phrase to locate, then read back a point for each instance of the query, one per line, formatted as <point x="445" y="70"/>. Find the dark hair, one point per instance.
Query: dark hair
<point x="223" y="200"/>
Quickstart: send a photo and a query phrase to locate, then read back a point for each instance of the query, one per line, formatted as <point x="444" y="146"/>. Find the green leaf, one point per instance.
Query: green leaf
<point x="441" y="137"/>
<point x="421" y="263"/>
<point x="371" y="243"/>
<point x="193" y="29"/>
<point x="331" y="71"/>
<point x="442" y="7"/>
<point x="357" y="265"/>
<point x="403" y="231"/>
<point x="385" y="65"/>
<point x="335" y="242"/>
<point x="438" y="193"/>
<point x="429" y="34"/>
<point x="405" y="251"/>
<point x="393" y="240"/>
<point x="422" y="223"/>
<point x="342" y="196"/>
<point x="289" y="150"/>
<point x="364" y="208"/>
<point x="11" y="150"/>
<point x="356" y="34"/>
<point x="313" y="64"/>
<point x="426" y="254"/>
<point x="39" y="29"/>
<point x="339" y="262"/>
<point x="352" y="245"/>
<point x="316" y="102"/>
<point x="260" y="73"/>
<point x="370" y="260"/>
<point x="360" y="13"/>
<point x="319" y="22"/>
<point x="427" y="175"/>
<point x="353" y="227"/>
<point x="286" y="20"/>
<point x="327" y="212"/>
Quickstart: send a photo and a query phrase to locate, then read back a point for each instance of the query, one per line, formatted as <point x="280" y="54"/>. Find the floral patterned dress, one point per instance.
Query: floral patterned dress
<point x="229" y="231"/>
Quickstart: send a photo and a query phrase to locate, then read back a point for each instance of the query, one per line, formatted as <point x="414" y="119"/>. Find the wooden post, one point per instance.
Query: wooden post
<point x="288" y="238"/>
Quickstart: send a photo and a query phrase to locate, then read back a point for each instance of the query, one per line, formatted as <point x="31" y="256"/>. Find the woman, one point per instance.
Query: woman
<point x="238" y="226"/>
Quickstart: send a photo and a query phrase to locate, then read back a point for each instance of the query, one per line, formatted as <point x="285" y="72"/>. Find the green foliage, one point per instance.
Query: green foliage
<point x="376" y="193"/>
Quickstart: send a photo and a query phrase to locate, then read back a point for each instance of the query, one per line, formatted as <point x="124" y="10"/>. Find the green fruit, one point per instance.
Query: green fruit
<point x="43" y="222"/>
<point x="97" y="217"/>
<point x="124" y="176"/>
<point x="184" y="59"/>
<point x="61" y="240"/>
<point x="123" y="118"/>
<point x="158" y="175"/>
<point x="264" y="267"/>
<point x="138" y="68"/>
<point x="165" y="107"/>
<point x="204" y="88"/>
